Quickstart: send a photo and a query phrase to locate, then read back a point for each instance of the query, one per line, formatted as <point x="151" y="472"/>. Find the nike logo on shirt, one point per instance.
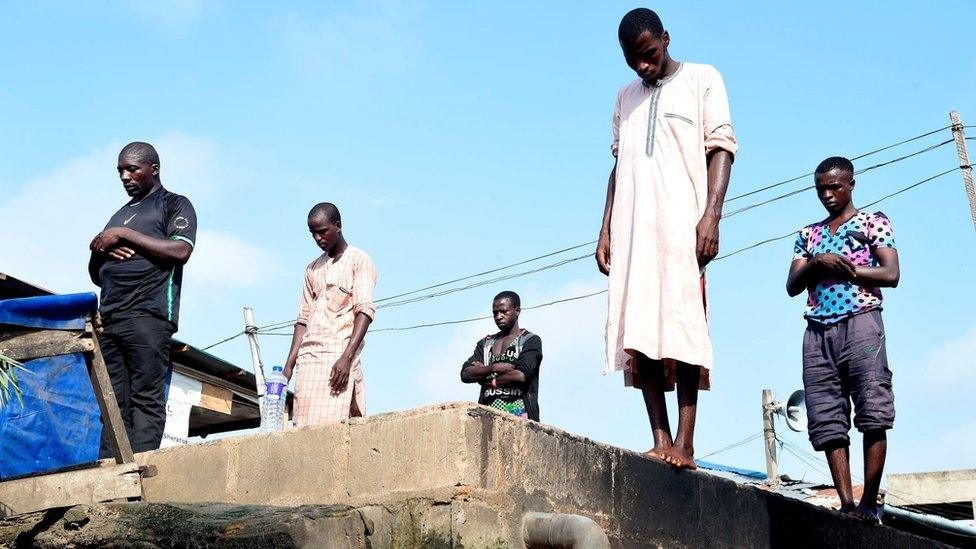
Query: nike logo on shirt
<point x="126" y="222"/>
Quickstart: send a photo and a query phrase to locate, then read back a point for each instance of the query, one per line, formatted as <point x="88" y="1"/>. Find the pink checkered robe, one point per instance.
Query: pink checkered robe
<point x="333" y="294"/>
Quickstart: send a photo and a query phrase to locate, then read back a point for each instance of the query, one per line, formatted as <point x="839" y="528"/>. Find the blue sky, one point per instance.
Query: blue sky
<point x="457" y="137"/>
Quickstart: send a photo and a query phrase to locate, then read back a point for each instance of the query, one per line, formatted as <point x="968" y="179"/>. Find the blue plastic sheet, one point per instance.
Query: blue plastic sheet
<point x="59" y="312"/>
<point x="57" y="424"/>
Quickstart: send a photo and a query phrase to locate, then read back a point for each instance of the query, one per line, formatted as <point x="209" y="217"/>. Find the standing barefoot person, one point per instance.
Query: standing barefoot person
<point x="674" y="145"/>
<point x="842" y="262"/>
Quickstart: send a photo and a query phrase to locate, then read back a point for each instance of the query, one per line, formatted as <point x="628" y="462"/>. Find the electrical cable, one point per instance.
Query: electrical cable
<point x="858" y="157"/>
<point x="483" y="273"/>
<point x="483" y="282"/>
<point x="733" y="445"/>
<point x="465" y="320"/>
<point x="225" y="340"/>
<point x="791" y="233"/>
<point x="856" y="172"/>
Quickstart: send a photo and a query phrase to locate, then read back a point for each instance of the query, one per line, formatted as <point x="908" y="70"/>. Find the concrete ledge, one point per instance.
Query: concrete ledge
<point x="472" y="472"/>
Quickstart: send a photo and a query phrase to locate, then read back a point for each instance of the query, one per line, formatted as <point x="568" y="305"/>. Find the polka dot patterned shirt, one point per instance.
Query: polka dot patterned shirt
<point x="832" y="301"/>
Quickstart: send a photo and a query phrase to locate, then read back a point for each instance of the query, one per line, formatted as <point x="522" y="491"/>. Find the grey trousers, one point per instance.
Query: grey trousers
<point x="845" y="362"/>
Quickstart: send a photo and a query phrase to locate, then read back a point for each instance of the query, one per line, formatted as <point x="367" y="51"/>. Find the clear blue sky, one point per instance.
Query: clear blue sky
<point x="457" y="137"/>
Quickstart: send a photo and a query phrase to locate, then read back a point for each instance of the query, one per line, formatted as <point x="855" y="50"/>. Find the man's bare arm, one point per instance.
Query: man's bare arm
<point x="719" y="171"/>
<point x="805" y="273"/>
<point x="167" y="250"/>
<point x="296" y="342"/>
<point x="475" y="372"/>
<point x="886" y="275"/>
<point x="603" y="243"/>
<point x="340" y="370"/>
<point x="511" y="377"/>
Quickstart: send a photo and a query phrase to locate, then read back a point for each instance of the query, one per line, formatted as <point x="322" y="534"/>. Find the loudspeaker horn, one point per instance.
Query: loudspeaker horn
<point x="796" y="411"/>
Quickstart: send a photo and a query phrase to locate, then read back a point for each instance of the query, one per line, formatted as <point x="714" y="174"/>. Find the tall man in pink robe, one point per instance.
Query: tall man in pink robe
<point x="674" y="146"/>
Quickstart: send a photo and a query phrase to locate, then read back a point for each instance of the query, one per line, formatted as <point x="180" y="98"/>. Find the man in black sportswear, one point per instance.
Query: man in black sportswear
<point x="137" y="260"/>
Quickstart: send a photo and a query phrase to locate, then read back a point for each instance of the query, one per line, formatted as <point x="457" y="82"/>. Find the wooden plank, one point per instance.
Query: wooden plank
<point x="36" y="343"/>
<point x="246" y="394"/>
<point x="71" y="488"/>
<point x="216" y="398"/>
<point x="109" y="406"/>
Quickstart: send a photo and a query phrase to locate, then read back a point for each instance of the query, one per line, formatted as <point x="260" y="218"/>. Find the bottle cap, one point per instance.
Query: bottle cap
<point x="277" y="368"/>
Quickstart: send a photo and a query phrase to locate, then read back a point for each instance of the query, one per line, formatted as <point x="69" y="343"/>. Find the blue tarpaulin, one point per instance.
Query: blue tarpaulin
<point x="57" y="312"/>
<point x="57" y="424"/>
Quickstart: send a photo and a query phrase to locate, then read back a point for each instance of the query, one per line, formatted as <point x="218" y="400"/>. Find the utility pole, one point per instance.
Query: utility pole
<point x="252" y="338"/>
<point x="769" y="432"/>
<point x="959" y="133"/>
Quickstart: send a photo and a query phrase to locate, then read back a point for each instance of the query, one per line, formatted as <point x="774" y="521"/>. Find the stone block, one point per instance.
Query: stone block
<point x="298" y="467"/>
<point x="408" y="453"/>
<point x="576" y="475"/>
<point x="193" y="473"/>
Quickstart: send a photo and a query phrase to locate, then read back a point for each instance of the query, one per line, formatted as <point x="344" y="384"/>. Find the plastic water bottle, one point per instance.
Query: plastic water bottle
<point x="273" y="402"/>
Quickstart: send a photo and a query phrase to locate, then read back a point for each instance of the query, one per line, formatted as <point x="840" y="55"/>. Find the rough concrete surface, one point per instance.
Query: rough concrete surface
<point x="463" y="475"/>
<point x="156" y="525"/>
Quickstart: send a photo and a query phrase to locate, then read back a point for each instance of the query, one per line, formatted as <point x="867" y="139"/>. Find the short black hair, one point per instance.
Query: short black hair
<point x="835" y="162"/>
<point x="510" y="295"/>
<point x="140" y="152"/>
<point x="636" y="22"/>
<point x="327" y="209"/>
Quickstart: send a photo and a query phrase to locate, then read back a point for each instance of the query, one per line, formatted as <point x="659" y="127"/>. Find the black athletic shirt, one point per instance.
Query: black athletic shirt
<point x="139" y="286"/>
<point x="527" y="361"/>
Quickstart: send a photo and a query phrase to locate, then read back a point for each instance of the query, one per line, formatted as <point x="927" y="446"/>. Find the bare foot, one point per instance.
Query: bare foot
<point x="680" y="457"/>
<point x="656" y="452"/>
<point x="867" y="513"/>
<point x="845" y="508"/>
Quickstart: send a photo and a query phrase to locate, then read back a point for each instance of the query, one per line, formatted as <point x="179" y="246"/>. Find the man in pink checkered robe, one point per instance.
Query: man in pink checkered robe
<point x="335" y="311"/>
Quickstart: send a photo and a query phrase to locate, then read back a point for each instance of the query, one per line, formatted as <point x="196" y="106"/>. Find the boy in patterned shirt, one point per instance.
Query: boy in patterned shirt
<point x="842" y="262"/>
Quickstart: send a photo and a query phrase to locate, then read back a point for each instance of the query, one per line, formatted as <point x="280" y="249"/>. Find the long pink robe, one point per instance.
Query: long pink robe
<point x="657" y="305"/>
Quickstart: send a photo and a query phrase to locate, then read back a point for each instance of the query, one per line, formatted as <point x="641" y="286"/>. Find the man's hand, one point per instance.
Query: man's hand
<point x="502" y="367"/>
<point x="603" y="253"/>
<point x="287" y="371"/>
<point x="107" y="240"/>
<point x="706" y="247"/>
<point x="121" y="253"/>
<point x="340" y="375"/>
<point x="834" y="265"/>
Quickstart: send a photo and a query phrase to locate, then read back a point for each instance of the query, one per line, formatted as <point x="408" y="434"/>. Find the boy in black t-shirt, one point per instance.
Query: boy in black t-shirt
<point x="137" y="260"/>
<point x="506" y="364"/>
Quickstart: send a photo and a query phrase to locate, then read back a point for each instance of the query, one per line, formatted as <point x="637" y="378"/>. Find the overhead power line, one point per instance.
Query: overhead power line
<point x="483" y="273"/>
<point x="389" y="301"/>
<point x="858" y="157"/>
<point x="856" y="172"/>
<point x="791" y="233"/>
<point x="732" y="446"/>
<point x="466" y="320"/>
<point x="724" y="256"/>
<point x="483" y="282"/>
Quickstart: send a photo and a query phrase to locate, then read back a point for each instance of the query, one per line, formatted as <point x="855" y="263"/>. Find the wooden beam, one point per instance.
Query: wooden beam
<point x="24" y="345"/>
<point x="216" y="398"/>
<point x="71" y="488"/>
<point x="109" y="406"/>
<point x="246" y="394"/>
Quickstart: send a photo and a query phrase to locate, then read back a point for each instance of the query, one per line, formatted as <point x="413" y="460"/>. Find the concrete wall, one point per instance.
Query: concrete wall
<point x="465" y="474"/>
<point x="936" y="487"/>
